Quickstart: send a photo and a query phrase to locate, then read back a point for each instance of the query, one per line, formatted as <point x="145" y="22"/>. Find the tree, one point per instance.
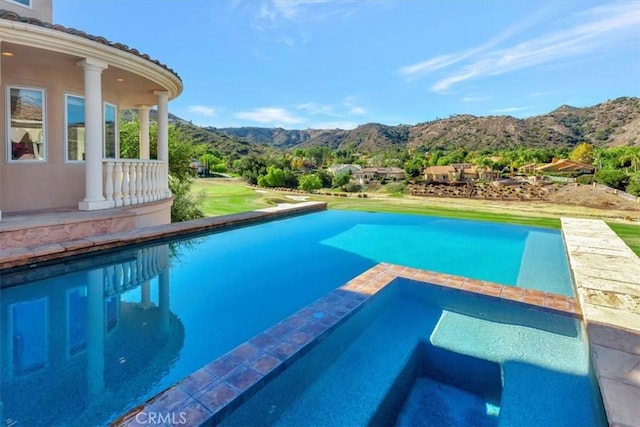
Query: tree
<point x="250" y="168"/>
<point x="340" y="180"/>
<point x="186" y="205"/>
<point x="634" y="185"/>
<point x="273" y="178"/>
<point x="310" y="183"/>
<point x="632" y="158"/>
<point x="583" y="153"/>
<point x="325" y="177"/>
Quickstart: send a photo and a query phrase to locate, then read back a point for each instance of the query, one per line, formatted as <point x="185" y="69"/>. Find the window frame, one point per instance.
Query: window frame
<point x="115" y="130"/>
<point x="45" y="143"/>
<point x="66" y="127"/>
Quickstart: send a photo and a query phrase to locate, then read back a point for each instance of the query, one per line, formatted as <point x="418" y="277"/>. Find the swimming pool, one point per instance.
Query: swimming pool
<point x="87" y="340"/>
<point x="419" y="354"/>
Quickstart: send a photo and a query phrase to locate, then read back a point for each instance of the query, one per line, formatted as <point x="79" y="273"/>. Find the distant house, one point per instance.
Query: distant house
<point x="343" y="168"/>
<point x="459" y="172"/>
<point x="566" y="165"/>
<point x="530" y="168"/>
<point x="377" y="174"/>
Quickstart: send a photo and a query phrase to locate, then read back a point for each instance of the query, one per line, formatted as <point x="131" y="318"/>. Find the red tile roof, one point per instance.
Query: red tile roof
<point x="12" y="16"/>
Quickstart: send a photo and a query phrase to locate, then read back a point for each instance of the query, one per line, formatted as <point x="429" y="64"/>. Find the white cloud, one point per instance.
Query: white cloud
<point x="274" y="115"/>
<point x="316" y="109"/>
<point x="509" y="109"/>
<point x="473" y="98"/>
<point x="202" y="110"/>
<point x="354" y="109"/>
<point x="290" y="21"/>
<point x="416" y="70"/>
<point x="593" y="31"/>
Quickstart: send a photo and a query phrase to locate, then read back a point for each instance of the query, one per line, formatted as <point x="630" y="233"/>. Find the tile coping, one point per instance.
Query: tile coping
<point x="27" y="256"/>
<point x="212" y="392"/>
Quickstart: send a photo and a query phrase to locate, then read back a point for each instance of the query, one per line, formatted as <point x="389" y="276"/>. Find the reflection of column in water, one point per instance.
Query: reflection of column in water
<point x="163" y="300"/>
<point x="95" y="332"/>
<point x="145" y="297"/>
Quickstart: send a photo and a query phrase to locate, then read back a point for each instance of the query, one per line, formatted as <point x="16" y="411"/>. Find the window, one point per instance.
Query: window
<point x="74" y="130"/>
<point x="26" y="138"/>
<point x="26" y="3"/>
<point x="76" y="320"/>
<point x="29" y="337"/>
<point x="110" y="132"/>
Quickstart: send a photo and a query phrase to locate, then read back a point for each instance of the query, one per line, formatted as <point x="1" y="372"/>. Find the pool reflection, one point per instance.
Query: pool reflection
<point x="76" y="339"/>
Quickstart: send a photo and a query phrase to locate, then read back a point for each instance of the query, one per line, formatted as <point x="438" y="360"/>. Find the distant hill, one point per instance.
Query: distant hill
<point x="226" y="145"/>
<point x="611" y="123"/>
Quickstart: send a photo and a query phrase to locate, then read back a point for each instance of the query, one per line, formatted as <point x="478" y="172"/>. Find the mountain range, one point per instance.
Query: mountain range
<point x="612" y="123"/>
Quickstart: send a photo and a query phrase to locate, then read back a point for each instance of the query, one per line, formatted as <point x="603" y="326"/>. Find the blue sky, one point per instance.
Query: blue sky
<point x="339" y="63"/>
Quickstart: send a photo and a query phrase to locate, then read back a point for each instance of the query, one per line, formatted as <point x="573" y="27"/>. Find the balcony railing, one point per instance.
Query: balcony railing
<point x="134" y="182"/>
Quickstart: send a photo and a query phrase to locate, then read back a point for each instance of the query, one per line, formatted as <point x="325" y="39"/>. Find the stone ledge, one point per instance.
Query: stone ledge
<point x="607" y="282"/>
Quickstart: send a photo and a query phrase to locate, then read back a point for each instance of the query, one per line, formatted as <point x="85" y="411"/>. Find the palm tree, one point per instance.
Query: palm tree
<point x="633" y="158"/>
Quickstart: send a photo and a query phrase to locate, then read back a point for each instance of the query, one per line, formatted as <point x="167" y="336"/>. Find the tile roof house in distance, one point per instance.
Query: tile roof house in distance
<point x="62" y="90"/>
<point x="378" y="174"/>
<point x="458" y="172"/>
<point x="566" y="165"/>
<point x="343" y="168"/>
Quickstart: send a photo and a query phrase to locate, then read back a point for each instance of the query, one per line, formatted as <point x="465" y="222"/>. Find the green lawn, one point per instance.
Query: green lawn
<point x="226" y="197"/>
<point x="396" y="205"/>
<point x="630" y="233"/>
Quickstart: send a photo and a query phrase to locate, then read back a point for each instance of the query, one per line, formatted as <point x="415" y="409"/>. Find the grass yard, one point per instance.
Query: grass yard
<point x="232" y="196"/>
<point x="223" y="197"/>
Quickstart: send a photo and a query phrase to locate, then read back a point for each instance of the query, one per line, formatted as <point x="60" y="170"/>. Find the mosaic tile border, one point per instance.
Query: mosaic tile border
<point x="212" y="392"/>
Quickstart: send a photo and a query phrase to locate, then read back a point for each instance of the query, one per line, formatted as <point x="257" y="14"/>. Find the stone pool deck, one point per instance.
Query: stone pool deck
<point x="29" y="255"/>
<point x="606" y="274"/>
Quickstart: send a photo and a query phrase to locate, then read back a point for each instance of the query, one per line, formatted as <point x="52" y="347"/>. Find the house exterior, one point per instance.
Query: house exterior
<point x="343" y="168"/>
<point x="459" y="172"/>
<point x="62" y="90"/>
<point x="377" y="174"/>
<point x="566" y="165"/>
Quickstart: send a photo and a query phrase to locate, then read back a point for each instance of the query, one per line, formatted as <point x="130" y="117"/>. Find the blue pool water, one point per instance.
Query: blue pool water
<point x="84" y="341"/>
<point x="421" y="355"/>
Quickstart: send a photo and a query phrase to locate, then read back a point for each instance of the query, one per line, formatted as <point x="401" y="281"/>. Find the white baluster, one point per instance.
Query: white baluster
<point x="108" y="191"/>
<point x="117" y="183"/>
<point x="139" y="183"/>
<point x="156" y="181"/>
<point x="165" y="180"/>
<point x="133" y="194"/>
<point x="126" y="177"/>
<point x="146" y="184"/>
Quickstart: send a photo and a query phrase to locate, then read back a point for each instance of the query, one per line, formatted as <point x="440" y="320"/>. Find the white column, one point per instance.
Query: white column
<point x="143" y="112"/>
<point x="95" y="332"/>
<point x="145" y="297"/>
<point x="163" y="125"/>
<point x="163" y="301"/>
<point x="94" y="198"/>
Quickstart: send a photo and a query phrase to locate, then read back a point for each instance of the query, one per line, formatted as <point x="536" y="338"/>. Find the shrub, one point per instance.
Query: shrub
<point x="352" y="187"/>
<point x="585" y="179"/>
<point x="612" y="178"/>
<point x="634" y="185"/>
